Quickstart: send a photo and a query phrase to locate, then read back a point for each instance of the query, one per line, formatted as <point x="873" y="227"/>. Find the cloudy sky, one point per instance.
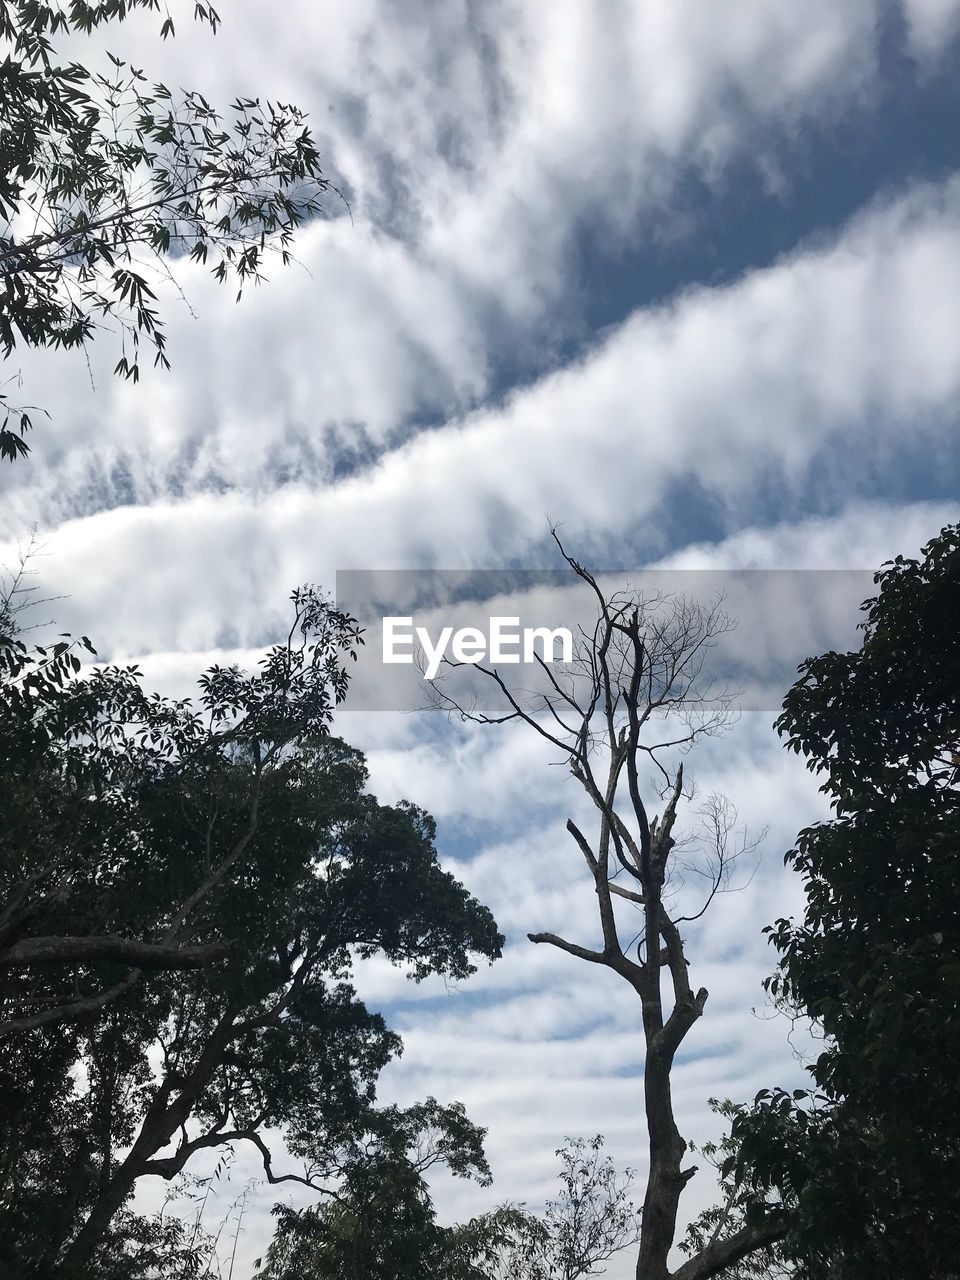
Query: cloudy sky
<point x="682" y="276"/>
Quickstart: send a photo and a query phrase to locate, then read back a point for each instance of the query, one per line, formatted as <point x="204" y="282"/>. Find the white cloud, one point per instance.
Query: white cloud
<point x="931" y="26"/>
<point x="818" y="357"/>
<point x="477" y="143"/>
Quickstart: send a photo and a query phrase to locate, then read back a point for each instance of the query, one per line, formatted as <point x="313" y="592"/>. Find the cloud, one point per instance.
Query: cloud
<point x="818" y="361"/>
<point x="477" y="143"/>
<point x="410" y="399"/>
<point x="931" y="27"/>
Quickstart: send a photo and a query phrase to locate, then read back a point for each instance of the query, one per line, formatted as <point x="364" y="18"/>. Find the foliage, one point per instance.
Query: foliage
<point x="105" y="177"/>
<point x="380" y="1223"/>
<point x="86" y="875"/>
<point x="739" y="1202"/>
<point x="590" y="1221"/>
<point x="873" y="1154"/>
<point x="184" y="892"/>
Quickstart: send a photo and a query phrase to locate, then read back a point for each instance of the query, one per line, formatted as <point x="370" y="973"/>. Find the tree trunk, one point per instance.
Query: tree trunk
<point x="665" y="1181"/>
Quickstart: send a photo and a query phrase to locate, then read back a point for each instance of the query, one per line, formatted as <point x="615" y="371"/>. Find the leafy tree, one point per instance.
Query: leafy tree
<point x="873" y="1157"/>
<point x="184" y="892"/>
<point x="739" y="1202"/>
<point x="591" y="1220"/>
<point x="105" y="177"/>
<point x="83" y="760"/>
<point x="380" y="1224"/>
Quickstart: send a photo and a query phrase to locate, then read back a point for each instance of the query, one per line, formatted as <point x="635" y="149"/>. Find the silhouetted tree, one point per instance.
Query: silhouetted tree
<point x="183" y="892"/>
<point x="380" y="1223"/>
<point x="106" y="177"/>
<point x="872" y="1157"/>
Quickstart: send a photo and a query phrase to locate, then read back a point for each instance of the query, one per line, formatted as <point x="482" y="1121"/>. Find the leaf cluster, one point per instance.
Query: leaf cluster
<point x="184" y="890"/>
<point x="873" y="1166"/>
<point x="104" y="176"/>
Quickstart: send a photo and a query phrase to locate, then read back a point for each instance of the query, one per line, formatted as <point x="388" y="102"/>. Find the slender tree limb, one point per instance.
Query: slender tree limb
<point x="582" y="844"/>
<point x="621" y="892"/>
<point x="582" y="953"/>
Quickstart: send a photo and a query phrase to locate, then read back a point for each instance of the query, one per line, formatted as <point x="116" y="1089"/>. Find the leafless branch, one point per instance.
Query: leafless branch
<point x="640" y="668"/>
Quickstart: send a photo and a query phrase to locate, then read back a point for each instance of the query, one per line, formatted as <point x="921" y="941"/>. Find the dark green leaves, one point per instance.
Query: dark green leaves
<point x="184" y="889"/>
<point x="110" y="176"/>
<point x="874" y="961"/>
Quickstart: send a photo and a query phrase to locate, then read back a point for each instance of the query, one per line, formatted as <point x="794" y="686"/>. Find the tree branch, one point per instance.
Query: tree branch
<point x="625" y="893"/>
<point x="595" y="957"/>
<point x="720" y="1254"/>
<point x="80" y="950"/>
<point x="70" y="1011"/>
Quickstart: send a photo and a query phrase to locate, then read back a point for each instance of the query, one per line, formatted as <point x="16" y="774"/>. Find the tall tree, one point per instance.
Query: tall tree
<point x="105" y="178"/>
<point x="185" y="890"/>
<point x="639" y="667"/>
<point x="873" y="1156"/>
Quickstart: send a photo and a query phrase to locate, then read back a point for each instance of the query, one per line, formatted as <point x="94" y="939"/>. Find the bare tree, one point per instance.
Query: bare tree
<point x="641" y="666"/>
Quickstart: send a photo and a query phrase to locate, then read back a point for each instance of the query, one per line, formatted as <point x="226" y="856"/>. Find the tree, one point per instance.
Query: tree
<point x="185" y="891"/>
<point x="642" y="663"/>
<point x="82" y="761"/>
<point x="739" y="1201"/>
<point x="380" y="1223"/>
<point x="591" y="1220"/>
<point x="872" y="1155"/>
<point x="105" y="178"/>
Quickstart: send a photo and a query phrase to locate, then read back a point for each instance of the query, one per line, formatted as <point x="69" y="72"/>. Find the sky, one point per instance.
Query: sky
<point x="682" y="278"/>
